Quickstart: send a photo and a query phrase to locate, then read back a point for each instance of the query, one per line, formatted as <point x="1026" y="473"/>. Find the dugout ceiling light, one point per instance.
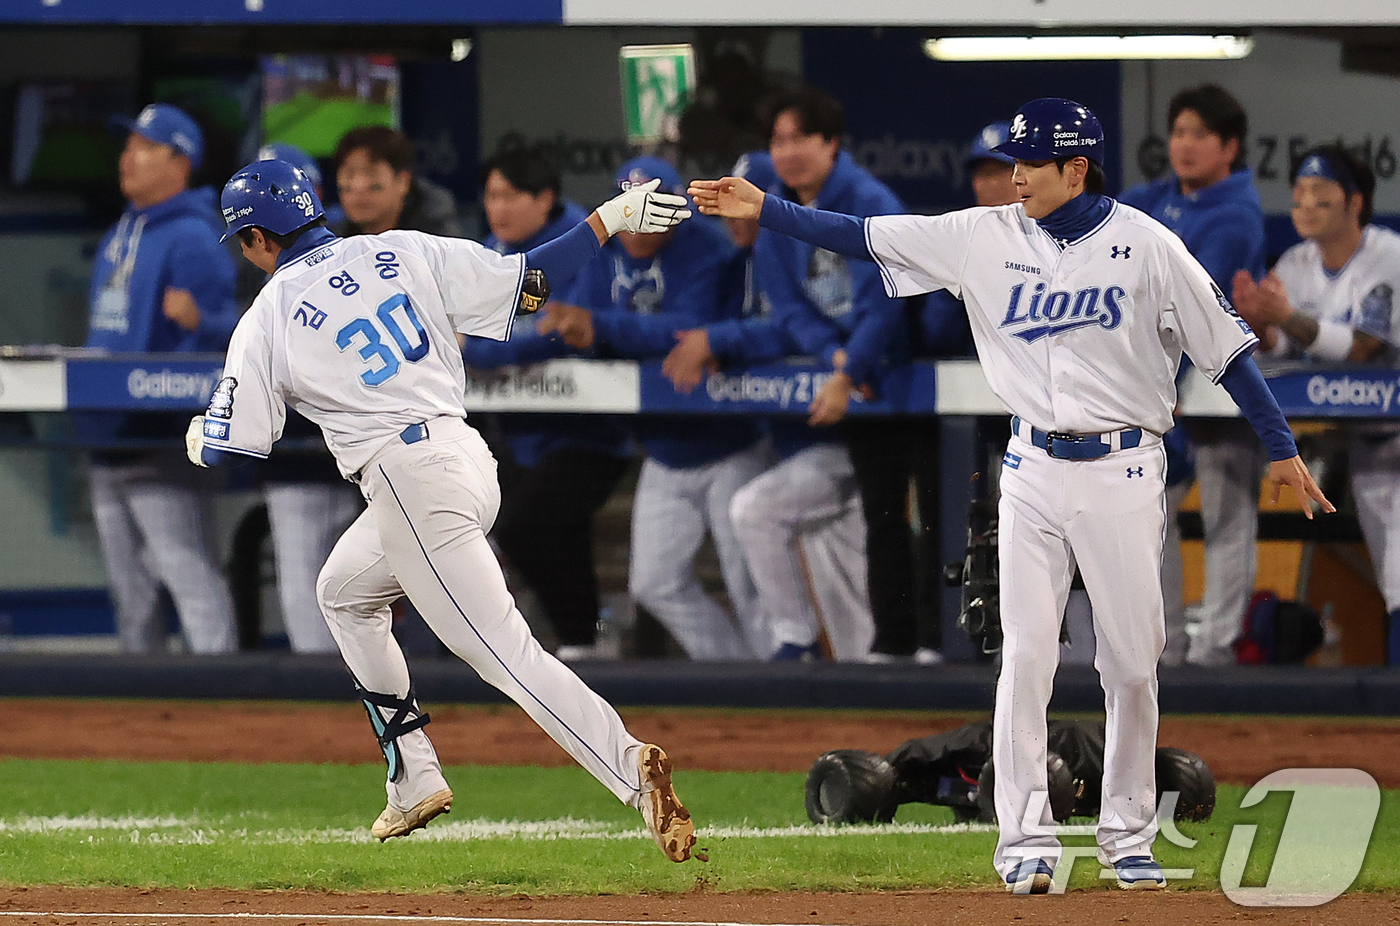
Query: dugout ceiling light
<point x="1087" y="47"/>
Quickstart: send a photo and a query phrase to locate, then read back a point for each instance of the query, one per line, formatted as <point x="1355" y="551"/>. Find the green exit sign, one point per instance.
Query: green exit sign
<point x="657" y="83"/>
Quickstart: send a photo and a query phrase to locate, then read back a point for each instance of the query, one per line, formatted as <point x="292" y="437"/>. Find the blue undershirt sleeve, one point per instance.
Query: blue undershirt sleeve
<point x="834" y="231"/>
<point x="1246" y="386"/>
<point x="562" y="258"/>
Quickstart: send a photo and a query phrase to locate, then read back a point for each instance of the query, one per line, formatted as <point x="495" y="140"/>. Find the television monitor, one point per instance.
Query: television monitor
<point x="312" y="100"/>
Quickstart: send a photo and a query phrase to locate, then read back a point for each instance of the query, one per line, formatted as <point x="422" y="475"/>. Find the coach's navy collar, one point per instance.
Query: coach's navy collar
<point x="316" y="238"/>
<point x="1076" y="218"/>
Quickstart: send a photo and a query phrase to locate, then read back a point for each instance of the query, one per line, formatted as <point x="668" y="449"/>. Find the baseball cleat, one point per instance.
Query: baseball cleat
<point x="1031" y="876"/>
<point x="402" y="822"/>
<point x="666" y="818"/>
<point x="1139" y="873"/>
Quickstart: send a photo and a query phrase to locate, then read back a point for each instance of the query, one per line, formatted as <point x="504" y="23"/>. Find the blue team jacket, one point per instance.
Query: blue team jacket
<point x="825" y="301"/>
<point x="171" y="244"/>
<point x="534" y="437"/>
<point x="1222" y="226"/>
<point x="639" y="305"/>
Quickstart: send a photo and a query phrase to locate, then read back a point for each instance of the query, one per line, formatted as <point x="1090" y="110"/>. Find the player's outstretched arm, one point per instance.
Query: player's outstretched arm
<point x="736" y="198"/>
<point x="727" y="197"/>
<point x="1246" y="386"/>
<point x="641" y="210"/>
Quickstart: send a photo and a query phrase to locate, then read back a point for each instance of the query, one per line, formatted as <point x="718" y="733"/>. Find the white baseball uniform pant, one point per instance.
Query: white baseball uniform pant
<point x="431" y="504"/>
<point x="150" y="517"/>
<point x="1173" y="581"/>
<point x="1107" y="516"/>
<point x="1375" y="484"/>
<point x="809" y="504"/>
<point x="306" y="519"/>
<point x="671" y="513"/>
<point x="1229" y="461"/>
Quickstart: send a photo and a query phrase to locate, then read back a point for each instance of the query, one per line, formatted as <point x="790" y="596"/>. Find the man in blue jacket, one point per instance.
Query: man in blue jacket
<point x="1210" y="201"/>
<point x="160" y="283"/>
<point x="837" y="311"/>
<point x="556" y="470"/>
<point x="630" y="302"/>
<point x="800" y="523"/>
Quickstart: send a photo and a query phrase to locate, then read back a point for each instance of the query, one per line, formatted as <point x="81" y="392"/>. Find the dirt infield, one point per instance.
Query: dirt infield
<point x="1238" y="749"/>
<point x="891" y="908"/>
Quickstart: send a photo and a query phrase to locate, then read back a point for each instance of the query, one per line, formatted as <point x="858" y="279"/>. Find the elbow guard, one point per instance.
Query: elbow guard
<point x="534" y="291"/>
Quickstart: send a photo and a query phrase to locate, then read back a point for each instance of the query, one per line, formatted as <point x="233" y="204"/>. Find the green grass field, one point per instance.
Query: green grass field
<point x="530" y="830"/>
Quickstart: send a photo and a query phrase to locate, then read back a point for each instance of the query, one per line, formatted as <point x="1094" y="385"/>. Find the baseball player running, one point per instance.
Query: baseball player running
<point x="362" y="336"/>
<point x="1332" y="298"/>
<point x="1080" y="309"/>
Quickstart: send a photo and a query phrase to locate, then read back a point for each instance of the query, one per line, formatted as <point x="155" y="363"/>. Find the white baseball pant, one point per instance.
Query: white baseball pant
<point x="1173" y="577"/>
<point x="807" y="504"/>
<point x="1106" y="515"/>
<point x="671" y="512"/>
<point x="306" y="519"/>
<point x="431" y="504"/>
<point x="1375" y="484"/>
<point x="1228" y="466"/>
<point x="150" y="518"/>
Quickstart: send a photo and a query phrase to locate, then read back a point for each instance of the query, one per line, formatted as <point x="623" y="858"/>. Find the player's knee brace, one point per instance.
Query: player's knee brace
<point x="391" y="718"/>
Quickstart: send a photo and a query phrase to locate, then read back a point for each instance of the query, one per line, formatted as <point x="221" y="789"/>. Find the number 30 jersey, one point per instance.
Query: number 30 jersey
<point x="359" y="336"/>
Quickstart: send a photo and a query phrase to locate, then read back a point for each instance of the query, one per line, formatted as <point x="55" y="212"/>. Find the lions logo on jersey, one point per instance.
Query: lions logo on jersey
<point x="221" y="405"/>
<point x="1058" y="311"/>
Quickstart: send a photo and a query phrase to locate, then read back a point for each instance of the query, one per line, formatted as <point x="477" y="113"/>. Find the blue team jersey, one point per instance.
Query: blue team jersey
<point x="1222" y="225"/>
<point x="823" y="300"/>
<point x="639" y="304"/>
<point x="533" y="437"/>
<point x="173" y="244"/>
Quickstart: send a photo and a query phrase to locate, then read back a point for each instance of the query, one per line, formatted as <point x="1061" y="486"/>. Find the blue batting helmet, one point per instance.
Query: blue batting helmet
<point x="1050" y="128"/>
<point x="272" y="195"/>
<point x="984" y="146"/>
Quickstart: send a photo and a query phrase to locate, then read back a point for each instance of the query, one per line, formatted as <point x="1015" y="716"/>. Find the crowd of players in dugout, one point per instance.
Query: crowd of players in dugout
<point x="824" y="551"/>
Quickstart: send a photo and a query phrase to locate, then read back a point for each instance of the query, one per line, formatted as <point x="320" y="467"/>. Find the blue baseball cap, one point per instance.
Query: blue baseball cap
<point x="646" y="169"/>
<point x="167" y="125"/>
<point x="280" y="151"/>
<point x="1053" y="127"/>
<point x="984" y="146"/>
<point x="273" y="195"/>
<point x="757" y="168"/>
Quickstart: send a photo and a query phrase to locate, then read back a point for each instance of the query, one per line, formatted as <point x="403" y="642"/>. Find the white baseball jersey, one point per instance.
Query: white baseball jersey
<point x="1364" y="295"/>
<point x="358" y="336"/>
<point x="1084" y="338"/>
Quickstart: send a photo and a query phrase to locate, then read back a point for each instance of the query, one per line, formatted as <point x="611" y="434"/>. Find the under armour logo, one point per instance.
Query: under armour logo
<point x="1018" y="127"/>
<point x="1134" y="471"/>
<point x="1121" y="252"/>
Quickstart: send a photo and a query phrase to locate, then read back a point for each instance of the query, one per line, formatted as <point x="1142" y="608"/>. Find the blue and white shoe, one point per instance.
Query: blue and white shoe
<point x="1031" y="876"/>
<point x="1139" y="873"/>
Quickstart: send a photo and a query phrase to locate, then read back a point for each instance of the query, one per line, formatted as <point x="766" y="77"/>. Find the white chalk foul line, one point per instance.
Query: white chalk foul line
<point x="183" y="831"/>
<point x="385" y="918"/>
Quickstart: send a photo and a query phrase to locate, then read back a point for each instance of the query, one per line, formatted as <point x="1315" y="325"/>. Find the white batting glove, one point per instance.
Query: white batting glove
<point x="194" y="441"/>
<point x="642" y="209"/>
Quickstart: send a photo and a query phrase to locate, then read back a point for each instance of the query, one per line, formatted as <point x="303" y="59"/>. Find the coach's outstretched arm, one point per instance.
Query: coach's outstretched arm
<point x="1245" y="383"/>
<point x="641" y="210"/>
<point x="736" y="198"/>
